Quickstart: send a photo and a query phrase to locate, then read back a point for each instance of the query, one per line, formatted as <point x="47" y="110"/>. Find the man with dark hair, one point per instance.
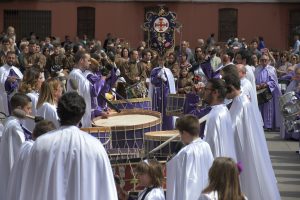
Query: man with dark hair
<point x="162" y="83"/>
<point x="187" y="172"/>
<point x="133" y="72"/>
<point x="258" y="179"/>
<point x="218" y="131"/>
<point x="82" y="63"/>
<point x="145" y="63"/>
<point x="5" y="48"/>
<point x="56" y="58"/>
<point x="32" y="57"/>
<point x="69" y="60"/>
<point x="68" y="163"/>
<point x="12" y="139"/>
<point x="243" y="57"/>
<point x="10" y="77"/>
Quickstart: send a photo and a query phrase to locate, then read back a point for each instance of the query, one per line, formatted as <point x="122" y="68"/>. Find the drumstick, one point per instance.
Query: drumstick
<point x="201" y="120"/>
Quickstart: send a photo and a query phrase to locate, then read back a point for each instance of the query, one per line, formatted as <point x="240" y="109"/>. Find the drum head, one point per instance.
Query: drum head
<point x="130" y="119"/>
<point x="162" y="135"/>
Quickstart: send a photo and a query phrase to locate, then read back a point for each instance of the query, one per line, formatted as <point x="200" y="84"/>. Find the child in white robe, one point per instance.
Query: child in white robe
<point x="187" y="172"/>
<point x="15" y="180"/>
<point x="12" y="139"/>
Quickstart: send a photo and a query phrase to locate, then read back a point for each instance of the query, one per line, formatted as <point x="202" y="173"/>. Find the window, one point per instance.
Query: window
<point x="86" y="22"/>
<point x="294" y="25"/>
<point x="27" y="21"/>
<point x="227" y="23"/>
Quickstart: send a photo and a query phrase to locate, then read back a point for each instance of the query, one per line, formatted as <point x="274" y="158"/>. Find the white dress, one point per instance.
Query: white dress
<point x="154" y="194"/>
<point x="187" y="172"/>
<point x="257" y="178"/>
<point x="218" y="132"/>
<point x="68" y="164"/>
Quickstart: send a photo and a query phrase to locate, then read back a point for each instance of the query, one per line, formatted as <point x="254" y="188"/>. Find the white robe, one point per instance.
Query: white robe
<point x="187" y="172"/>
<point x="257" y="178"/>
<point x="154" y="194"/>
<point x="250" y="92"/>
<point x="84" y="91"/>
<point x="171" y="82"/>
<point x="68" y="164"/>
<point x="11" y="141"/>
<point x="218" y="132"/>
<point x="250" y="75"/>
<point x="48" y="112"/>
<point x="29" y="123"/>
<point x="4" y="72"/>
<point x="15" y="179"/>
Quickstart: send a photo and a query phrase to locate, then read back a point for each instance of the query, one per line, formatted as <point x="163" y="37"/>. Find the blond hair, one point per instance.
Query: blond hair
<point x="47" y="92"/>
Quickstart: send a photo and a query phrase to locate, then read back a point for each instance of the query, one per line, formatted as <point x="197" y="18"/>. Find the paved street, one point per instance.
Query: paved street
<point x="286" y="164"/>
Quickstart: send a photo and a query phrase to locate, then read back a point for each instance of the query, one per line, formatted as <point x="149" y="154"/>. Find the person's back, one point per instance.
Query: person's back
<point x="17" y="171"/>
<point x="258" y="178"/>
<point x="187" y="172"/>
<point x="68" y="163"/>
<point x="193" y="162"/>
<point x="48" y="111"/>
<point x="218" y="132"/>
<point x="73" y="165"/>
<point x="11" y="140"/>
<point x="15" y="179"/>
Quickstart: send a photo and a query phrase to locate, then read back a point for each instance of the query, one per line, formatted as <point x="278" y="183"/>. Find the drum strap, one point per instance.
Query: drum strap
<point x="147" y="191"/>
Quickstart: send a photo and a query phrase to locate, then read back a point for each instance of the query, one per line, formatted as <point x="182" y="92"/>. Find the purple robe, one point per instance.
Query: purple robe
<point x="10" y="87"/>
<point x="201" y="113"/>
<point x="160" y="92"/>
<point x="95" y="88"/>
<point x="270" y="111"/>
<point x="109" y="83"/>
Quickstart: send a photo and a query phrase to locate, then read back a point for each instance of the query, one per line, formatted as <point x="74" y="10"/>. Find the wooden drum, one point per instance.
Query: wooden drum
<point x="175" y="104"/>
<point x="154" y="139"/>
<point x="129" y="126"/>
<point x="101" y="133"/>
<point x="142" y="103"/>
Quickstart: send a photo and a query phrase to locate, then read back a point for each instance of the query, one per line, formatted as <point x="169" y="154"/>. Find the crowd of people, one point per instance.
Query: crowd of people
<point x="69" y="83"/>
